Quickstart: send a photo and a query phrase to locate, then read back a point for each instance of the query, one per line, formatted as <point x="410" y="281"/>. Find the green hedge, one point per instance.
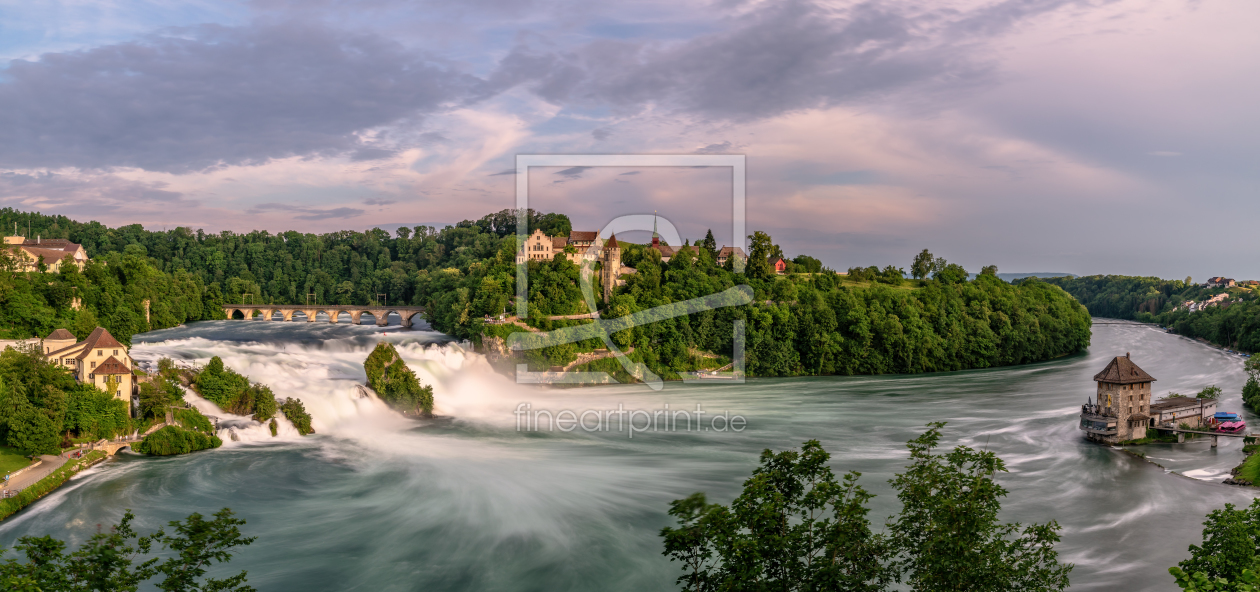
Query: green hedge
<point x="47" y="484"/>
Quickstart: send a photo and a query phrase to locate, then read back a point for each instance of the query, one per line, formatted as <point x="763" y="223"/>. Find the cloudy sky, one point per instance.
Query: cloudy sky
<point x="1038" y="135"/>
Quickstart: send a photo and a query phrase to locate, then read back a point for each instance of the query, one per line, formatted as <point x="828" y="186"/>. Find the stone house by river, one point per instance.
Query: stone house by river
<point x="1121" y="410"/>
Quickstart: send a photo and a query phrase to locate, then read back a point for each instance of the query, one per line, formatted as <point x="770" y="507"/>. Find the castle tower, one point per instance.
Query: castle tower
<point x="610" y="259"/>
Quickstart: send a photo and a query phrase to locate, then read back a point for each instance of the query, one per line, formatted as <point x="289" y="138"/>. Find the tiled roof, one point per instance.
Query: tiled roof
<point x="559" y="242"/>
<point x="59" y="335"/>
<point x="583" y="236"/>
<point x="612" y="242"/>
<point x="1179" y="403"/>
<point x="727" y="251"/>
<point x="100" y="338"/>
<point x="48" y="256"/>
<point x="111" y="366"/>
<point x="1122" y="370"/>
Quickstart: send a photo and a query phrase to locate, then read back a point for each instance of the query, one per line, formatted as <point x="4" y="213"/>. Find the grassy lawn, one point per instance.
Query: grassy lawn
<point x="1250" y="469"/>
<point x="11" y="460"/>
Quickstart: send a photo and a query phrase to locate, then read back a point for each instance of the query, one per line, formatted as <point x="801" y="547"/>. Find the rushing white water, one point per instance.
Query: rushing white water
<point x="376" y="501"/>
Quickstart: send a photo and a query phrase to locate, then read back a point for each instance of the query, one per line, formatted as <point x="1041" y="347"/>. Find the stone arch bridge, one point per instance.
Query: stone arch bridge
<point x="334" y="312"/>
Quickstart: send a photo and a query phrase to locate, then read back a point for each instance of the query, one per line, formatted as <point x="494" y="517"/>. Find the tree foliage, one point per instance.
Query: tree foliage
<point x="39" y="402"/>
<point x="1233" y="323"/>
<point x="233" y="392"/>
<point x="121" y="560"/>
<point x="295" y="412"/>
<point x="172" y="440"/>
<point x="796" y="527"/>
<point x="1227" y="560"/>
<point x="396" y="384"/>
<point x="948" y="536"/>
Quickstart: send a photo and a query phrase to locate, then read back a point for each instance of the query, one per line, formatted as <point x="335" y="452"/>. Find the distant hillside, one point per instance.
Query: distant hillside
<point x="1233" y="323"/>
<point x="1010" y="277"/>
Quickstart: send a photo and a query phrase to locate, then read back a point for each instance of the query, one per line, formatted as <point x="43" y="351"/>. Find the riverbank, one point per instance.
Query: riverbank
<point x="28" y="494"/>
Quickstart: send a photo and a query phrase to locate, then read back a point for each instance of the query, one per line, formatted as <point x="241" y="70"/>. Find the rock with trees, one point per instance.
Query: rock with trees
<point x="395" y="383"/>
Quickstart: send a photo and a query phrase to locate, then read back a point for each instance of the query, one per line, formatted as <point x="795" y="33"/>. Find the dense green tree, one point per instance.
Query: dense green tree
<point x="948" y="535"/>
<point x="806" y="264"/>
<point x="1231" y="537"/>
<point x="709" y="245"/>
<point x="32" y="432"/>
<point x="1251" y="393"/>
<point x="171" y="440"/>
<point x="921" y="267"/>
<point x="989" y="270"/>
<point x="761" y="247"/>
<point x="111" y="560"/>
<point x="1210" y="392"/>
<point x="795" y="527"/>
<point x="951" y="273"/>
<point x="92" y="412"/>
<point x="295" y="412"/>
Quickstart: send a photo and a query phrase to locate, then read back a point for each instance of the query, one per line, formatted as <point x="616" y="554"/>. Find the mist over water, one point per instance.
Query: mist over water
<point x="465" y="501"/>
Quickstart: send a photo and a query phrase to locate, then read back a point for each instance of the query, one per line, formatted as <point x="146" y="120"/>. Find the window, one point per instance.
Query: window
<point x="93" y="364"/>
<point x="100" y="352"/>
<point x="115" y="352"/>
<point x="91" y="377"/>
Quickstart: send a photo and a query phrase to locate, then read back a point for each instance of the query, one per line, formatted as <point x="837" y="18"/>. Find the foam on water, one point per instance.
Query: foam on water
<point x="465" y="501"/>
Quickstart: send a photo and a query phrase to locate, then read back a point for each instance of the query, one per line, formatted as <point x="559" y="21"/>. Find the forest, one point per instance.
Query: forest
<point x="1234" y="323"/>
<point x="797" y="324"/>
<point x="809" y="321"/>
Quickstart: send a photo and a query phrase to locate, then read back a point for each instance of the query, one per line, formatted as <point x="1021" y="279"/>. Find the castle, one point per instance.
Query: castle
<point x="587" y="246"/>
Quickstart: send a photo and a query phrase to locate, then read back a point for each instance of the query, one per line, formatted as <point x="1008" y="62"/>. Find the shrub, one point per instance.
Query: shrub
<point x="296" y="413"/>
<point x="176" y="440"/>
<point x="194" y="420"/>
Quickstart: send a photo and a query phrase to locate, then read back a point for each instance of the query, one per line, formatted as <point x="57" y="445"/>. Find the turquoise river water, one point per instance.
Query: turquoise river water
<point x="468" y="501"/>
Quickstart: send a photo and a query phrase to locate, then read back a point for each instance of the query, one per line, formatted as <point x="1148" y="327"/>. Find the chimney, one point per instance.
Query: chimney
<point x="1126" y="354"/>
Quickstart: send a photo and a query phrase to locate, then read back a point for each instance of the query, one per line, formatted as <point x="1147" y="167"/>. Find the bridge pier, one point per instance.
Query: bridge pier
<point x="1213" y="441"/>
<point x="267" y="313"/>
<point x="287" y="314"/>
<point x="310" y="314"/>
<point x="381" y="316"/>
<point x="333" y="315"/>
<point x="1181" y="437"/>
<point x="354" y="316"/>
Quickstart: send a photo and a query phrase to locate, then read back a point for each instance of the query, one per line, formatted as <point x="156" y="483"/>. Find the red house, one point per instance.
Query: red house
<point x="780" y="266"/>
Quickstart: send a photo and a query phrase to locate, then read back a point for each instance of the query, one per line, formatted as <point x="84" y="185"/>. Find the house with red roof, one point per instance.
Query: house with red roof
<point x="99" y="360"/>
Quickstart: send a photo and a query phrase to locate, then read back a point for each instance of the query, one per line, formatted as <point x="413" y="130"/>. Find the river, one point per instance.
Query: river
<point x="467" y="501"/>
